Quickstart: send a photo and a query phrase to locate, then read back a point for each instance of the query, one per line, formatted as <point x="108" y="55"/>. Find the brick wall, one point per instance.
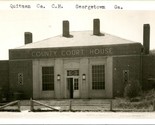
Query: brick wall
<point x="148" y="72"/>
<point x="4" y="78"/>
<point x="20" y="76"/>
<point x="130" y="63"/>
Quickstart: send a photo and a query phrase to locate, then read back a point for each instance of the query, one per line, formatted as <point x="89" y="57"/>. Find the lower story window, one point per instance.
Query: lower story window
<point x="98" y="77"/>
<point x="76" y="84"/>
<point x="47" y="78"/>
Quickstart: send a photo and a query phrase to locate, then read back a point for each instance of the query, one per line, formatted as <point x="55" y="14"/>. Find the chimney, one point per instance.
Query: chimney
<point x="28" y="37"/>
<point x="96" y="27"/>
<point x="66" y="28"/>
<point x="146" y="38"/>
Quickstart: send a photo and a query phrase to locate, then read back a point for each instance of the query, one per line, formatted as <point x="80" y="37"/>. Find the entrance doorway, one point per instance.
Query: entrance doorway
<point x="73" y="87"/>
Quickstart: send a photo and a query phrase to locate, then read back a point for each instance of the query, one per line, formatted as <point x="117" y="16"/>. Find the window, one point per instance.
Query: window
<point x="47" y="78"/>
<point x="98" y="77"/>
<point x="20" y="78"/>
<point x="76" y="84"/>
<point x="72" y="72"/>
<point x="125" y="76"/>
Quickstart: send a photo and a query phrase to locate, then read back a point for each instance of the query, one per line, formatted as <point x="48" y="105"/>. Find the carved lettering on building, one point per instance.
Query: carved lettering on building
<point x="44" y="53"/>
<point x="72" y="52"/>
<point x="105" y="51"/>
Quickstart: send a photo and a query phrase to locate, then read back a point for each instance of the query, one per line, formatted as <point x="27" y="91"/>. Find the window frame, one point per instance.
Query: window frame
<point x="76" y="84"/>
<point x="98" y="88"/>
<point x="51" y="77"/>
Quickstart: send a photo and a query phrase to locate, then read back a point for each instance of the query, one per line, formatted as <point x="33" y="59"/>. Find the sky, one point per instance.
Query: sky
<point x="127" y="24"/>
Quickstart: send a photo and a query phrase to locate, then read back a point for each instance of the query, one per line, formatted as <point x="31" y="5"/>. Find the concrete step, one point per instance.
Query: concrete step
<point x="65" y="102"/>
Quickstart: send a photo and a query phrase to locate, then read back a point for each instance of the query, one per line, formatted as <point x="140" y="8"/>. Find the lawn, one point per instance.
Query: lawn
<point x="144" y="102"/>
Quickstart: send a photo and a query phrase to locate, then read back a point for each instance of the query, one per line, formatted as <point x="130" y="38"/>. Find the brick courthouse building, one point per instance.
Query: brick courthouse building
<point x="86" y="64"/>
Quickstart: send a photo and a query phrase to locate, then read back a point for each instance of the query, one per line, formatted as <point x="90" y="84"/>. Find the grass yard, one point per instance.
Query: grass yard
<point x="144" y="102"/>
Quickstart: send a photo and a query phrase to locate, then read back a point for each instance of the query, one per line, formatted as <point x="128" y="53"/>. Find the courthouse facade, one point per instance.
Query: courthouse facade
<point x="85" y="64"/>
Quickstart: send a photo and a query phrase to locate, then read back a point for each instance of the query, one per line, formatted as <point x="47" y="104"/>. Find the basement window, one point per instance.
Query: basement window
<point x="98" y="77"/>
<point x="47" y="78"/>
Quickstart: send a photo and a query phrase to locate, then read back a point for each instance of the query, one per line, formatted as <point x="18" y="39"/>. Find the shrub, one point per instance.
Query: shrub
<point x="132" y="89"/>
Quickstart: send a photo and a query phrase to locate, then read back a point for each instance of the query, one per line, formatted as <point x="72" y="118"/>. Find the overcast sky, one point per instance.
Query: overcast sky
<point x="43" y="24"/>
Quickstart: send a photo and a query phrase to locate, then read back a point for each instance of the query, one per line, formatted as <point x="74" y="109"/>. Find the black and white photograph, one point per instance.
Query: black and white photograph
<point x="77" y="62"/>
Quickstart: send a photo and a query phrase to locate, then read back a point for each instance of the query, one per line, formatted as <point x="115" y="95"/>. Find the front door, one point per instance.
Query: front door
<point x="73" y="87"/>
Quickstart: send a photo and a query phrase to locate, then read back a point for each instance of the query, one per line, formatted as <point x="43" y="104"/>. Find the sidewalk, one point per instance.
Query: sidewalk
<point x="95" y="105"/>
<point x="66" y="101"/>
<point x="75" y="104"/>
